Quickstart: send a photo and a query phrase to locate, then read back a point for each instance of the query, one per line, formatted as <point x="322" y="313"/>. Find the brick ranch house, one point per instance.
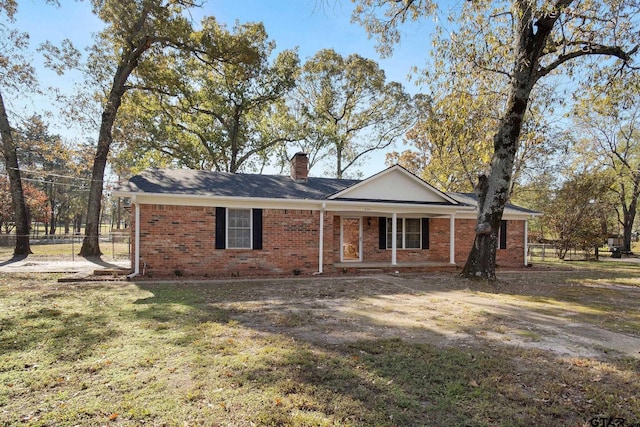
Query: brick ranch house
<point x="189" y="222"/>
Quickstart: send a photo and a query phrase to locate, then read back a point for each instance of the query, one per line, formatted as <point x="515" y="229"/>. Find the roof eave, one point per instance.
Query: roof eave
<point x="363" y="206"/>
<point x="146" y="197"/>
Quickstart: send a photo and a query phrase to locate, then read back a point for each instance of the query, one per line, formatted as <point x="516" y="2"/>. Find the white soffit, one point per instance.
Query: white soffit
<point x="394" y="184"/>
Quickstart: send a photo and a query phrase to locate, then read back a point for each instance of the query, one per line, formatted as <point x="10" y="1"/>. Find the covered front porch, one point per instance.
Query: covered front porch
<point x="391" y="221"/>
<point x="385" y="267"/>
<point x="390" y="242"/>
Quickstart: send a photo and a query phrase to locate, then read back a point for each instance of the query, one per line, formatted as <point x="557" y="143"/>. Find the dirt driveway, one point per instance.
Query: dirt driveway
<point x="569" y="313"/>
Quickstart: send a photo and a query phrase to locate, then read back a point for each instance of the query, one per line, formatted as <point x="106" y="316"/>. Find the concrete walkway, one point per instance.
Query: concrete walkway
<point x="60" y="265"/>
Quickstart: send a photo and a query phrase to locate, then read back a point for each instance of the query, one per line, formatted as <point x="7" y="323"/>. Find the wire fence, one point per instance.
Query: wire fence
<point x="548" y="251"/>
<point x="115" y="245"/>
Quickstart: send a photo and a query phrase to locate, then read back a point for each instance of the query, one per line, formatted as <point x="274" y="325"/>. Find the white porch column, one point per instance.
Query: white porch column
<point x="452" y="239"/>
<point x="136" y="237"/>
<point x="526" y="241"/>
<point x="394" y="238"/>
<point x="321" y="241"/>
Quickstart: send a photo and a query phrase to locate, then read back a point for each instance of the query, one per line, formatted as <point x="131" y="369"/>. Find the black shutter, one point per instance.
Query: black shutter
<point x="221" y="228"/>
<point x="382" y="230"/>
<point x="257" y="229"/>
<point x="425" y="233"/>
<point x="503" y="234"/>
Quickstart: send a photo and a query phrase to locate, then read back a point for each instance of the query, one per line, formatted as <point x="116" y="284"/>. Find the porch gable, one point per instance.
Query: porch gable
<point x="394" y="184"/>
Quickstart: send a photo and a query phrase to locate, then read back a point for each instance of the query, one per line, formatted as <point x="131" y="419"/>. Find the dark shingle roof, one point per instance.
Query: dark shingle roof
<point x="224" y="184"/>
<point x="472" y="199"/>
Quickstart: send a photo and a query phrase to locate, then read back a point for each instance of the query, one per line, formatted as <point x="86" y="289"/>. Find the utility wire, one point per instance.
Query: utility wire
<point x="55" y="174"/>
<point x="40" y="181"/>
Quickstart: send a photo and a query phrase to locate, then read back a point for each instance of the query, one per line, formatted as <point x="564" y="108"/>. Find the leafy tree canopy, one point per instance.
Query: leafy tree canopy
<point x="508" y="48"/>
<point x="132" y="29"/>
<point x="347" y="109"/>
<point x="219" y="105"/>
<point x="607" y="136"/>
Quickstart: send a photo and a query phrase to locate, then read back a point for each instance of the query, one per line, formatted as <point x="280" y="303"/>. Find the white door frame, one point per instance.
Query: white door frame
<point x="342" y="221"/>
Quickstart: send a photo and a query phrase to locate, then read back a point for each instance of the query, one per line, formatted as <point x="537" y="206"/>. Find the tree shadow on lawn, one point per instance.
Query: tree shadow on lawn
<point x="308" y="357"/>
<point x="62" y="335"/>
<point x="38" y="263"/>
<point x="439" y="308"/>
<point x="98" y="261"/>
<point x="424" y="308"/>
<point x="13" y="260"/>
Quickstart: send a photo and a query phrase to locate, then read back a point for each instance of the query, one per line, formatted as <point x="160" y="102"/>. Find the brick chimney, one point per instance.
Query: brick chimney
<point x="300" y="167"/>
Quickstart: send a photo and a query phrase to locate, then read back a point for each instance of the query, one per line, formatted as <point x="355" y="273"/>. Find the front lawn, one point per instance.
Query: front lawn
<point x="386" y="351"/>
<point x="111" y="250"/>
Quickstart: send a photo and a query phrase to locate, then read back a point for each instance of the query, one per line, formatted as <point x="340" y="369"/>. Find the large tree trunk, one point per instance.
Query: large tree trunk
<point x="339" y="160"/>
<point x="77" y="224"/>
<point x="22" y="247"/>
<point x="627" y="228"/>
<point x="493" y="190"/>
<point x="52" y="205"/>
<point x="137" y="42"/>
<point x="630" y="215"/>
<point x="52" y="221"/>
<point x="90" y="244"/>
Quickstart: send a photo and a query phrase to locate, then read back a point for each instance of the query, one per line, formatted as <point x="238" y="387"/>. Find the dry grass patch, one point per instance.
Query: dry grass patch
<point x="386" y="351"/>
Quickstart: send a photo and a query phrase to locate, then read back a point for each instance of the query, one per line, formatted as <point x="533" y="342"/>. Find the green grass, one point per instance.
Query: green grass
<point x="68" y="250"/>
<point x="177" y="354"/>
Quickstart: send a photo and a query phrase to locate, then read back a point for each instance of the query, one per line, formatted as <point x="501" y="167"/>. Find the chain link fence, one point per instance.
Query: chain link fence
<point x="547" y="251"/>
<point x="114" y="245"/>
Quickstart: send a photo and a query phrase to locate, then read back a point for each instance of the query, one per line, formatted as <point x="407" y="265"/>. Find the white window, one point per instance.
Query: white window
<point x="409" y="233"/>
<point x="239" y="228"/>
<point x="412" y="233"/>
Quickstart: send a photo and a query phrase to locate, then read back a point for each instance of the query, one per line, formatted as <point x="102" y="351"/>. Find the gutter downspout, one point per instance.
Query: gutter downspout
<point x="526" y="241"/>
<point x="321" y="240"/>
<point x="136" y="261"/>
<point x="394" y="238"/>
<point x="452" y="239"/>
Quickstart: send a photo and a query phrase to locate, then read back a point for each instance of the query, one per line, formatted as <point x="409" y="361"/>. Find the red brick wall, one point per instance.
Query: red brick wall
<point x="177" y="239"/>
<point x="512" y="256"/>
<point x="465" y="235"/>
<point x="373" y="253"/>
<point x="181" y="239"/>
<point x="438" y="243"/>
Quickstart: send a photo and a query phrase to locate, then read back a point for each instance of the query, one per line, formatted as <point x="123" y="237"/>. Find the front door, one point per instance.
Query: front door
<point x="351" y="239"/>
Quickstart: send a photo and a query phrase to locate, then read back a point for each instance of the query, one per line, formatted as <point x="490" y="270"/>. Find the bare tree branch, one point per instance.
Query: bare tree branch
<point x="592" y="49"/>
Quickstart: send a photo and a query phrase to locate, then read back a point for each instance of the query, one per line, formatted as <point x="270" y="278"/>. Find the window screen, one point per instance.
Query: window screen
<point x="239" y="228"/>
